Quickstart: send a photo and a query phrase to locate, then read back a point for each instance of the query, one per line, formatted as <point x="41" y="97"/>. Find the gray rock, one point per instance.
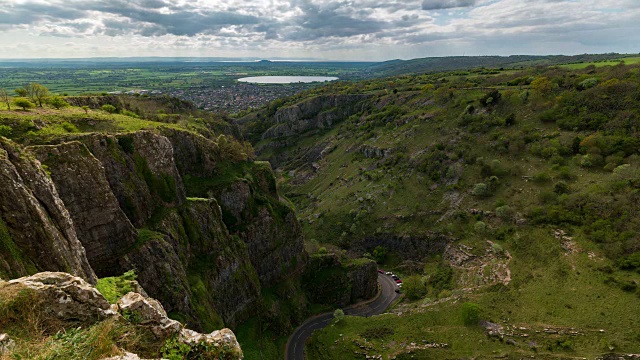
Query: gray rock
<point x="102" y="227"/>
<point x="40" y="228"/>
<point x="63" y="296"/>
<point x="148" y="312"/>
<point x="6" y="344"/>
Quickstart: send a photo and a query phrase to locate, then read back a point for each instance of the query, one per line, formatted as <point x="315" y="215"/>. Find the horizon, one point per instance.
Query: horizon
<point x="275" y="59"/>
<point x="334" y="30"/>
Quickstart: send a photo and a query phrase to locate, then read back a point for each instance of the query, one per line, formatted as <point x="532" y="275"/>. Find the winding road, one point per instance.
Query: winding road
<point x="295" y="346"/>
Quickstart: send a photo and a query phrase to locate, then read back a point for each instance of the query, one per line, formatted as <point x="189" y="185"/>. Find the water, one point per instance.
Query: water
<point x="286" y="79"/>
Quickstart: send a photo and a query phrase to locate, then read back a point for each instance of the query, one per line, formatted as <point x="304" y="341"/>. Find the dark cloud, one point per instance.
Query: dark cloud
<point x="446" y="4"/>
<point x="182" y="21"/>
<point x="29" y="13"/>
<point x="327" y="21"/>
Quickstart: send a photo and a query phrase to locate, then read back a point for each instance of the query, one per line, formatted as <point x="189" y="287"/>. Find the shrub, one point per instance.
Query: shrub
<point x="338" y="315"/>
<point x="5" y="130"/>
<point x="480" y="189"/>
<point x="23" y="103"/>
<point x="109" y="108"/>
<point x="504" y="212"/>
<point x="413" y="287"/>
<point x="57" y="102"/>
<point x="480" y="227"/>
<point x="470" y="313"/>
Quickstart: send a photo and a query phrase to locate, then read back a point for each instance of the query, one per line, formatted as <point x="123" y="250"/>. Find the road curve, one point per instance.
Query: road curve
<point x="295" y="346"/>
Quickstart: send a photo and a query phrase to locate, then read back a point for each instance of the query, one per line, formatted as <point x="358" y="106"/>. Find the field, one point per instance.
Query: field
<point x="95" y="77"/>
<point x="626" y="60"/>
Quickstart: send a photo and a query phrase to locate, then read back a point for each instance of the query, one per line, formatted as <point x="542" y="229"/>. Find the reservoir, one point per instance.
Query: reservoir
<point x="286" y="79"/>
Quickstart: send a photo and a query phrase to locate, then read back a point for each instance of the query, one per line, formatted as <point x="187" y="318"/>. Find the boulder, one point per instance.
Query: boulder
<point x="225" y="344"/>
<point x="148" y="312"/>
<point x="62" y="296"/>
<point x="6" y="344"/>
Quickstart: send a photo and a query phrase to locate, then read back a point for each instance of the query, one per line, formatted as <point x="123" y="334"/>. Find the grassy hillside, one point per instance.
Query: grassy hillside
<point x="530" y="177"/>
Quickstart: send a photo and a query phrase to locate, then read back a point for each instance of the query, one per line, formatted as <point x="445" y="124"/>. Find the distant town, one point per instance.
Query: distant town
<point x="231" y="98"/>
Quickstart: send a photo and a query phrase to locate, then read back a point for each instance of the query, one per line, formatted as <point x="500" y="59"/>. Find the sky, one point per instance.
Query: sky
<point x="372" y="30"/>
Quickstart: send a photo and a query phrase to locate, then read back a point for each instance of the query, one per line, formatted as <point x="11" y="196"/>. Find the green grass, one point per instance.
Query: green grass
<point x="115" y="287"/>
<point x="627" y="61"/>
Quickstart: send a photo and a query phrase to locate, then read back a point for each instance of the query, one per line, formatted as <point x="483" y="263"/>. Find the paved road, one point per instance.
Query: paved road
<point x="295" y="347"/>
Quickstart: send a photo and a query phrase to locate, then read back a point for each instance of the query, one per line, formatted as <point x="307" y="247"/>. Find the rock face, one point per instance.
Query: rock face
<point x="123" y="196"/>
<point x="411" y="247"/>
<point x="36" y="230"/>
<point x="328" y="281"/>
<point x="102" y="227"/>
<point x="61" y="296"/>
<point x="316" y="113"/>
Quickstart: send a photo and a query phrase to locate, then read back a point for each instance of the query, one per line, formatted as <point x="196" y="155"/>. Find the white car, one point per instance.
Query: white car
<point x="389" y="273"/>
<point x="399" y="285"/>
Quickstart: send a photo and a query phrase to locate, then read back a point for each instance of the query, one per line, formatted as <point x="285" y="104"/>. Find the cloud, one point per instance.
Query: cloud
<point x="446" y="4"/>
<point x="363" y="29"/>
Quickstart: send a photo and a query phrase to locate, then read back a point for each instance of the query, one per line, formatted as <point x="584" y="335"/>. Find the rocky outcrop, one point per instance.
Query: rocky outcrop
<point x="219" y="270"/>
<point x="328" y="281"/>
<point x="148" y="312"/>
<point x="414" y="247"/>
<point x="141" y="171"/>
<point x="36" y="230"/>
<point x="374" y="152"/>
<point x="319" y="112"/>
<point x="254" y="212"/>
<point x="61" y="296"/>
<point x="102" y="227"/>
<point x="363" y="275"/>
<point x="66" y="301"/>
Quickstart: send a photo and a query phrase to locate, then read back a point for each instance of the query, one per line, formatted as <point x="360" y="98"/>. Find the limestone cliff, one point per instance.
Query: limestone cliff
<point x="329" y="280"/>
<point x="102" y="227"/>
<point x="319" y="112"/>
<point x="36" y="230"/>
<point x="125" y="197"/>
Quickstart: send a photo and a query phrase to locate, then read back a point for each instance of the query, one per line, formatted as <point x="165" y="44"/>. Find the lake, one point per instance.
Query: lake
<point x="286" y="79"/>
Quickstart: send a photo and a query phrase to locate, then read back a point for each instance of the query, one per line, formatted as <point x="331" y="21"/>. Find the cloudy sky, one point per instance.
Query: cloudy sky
<point x="324" y="29"/>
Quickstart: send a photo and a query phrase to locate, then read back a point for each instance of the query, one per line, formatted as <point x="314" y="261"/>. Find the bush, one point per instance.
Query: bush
<point x="23" y="103"/>
<point x="470" y="314"/>
<point x="413" y="287"/>
<point x="109" y="108"/>
<point x="5" y="130"/>
<point x="338" y="315"/>
<point x="480" y="189"/>
<point x="480" y="227"/>
<point x="57" y="102"/>
<point x="504" y="212"/>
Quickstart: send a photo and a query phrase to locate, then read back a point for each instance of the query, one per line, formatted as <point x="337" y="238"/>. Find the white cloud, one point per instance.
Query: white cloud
<point x="349" y="29"/>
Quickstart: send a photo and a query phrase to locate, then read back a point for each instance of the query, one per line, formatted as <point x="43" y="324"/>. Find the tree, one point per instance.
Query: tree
<point x="4" y="97"/>
<point x="40" y="93"/>
<point x="542" y="86"/>
<point x="413" y="287"/>
<point x="37" y="93"/>
<point x="23" y="103"/>
<point x="22" y="92"/>
<point x="338" y="315"/>
<point x="86" y="109"/>
<point x="58" y="102"/>
<point x="379" y="253"/>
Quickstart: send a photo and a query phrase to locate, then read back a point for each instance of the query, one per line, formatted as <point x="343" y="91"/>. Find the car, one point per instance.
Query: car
<point x="399" y="285"/>
<point x="398" y="291"/>
<point x="388" y="273"/>
<point x="380" y="271"/>
<point x="394" y="277"/>
<point x="398" y="281"/>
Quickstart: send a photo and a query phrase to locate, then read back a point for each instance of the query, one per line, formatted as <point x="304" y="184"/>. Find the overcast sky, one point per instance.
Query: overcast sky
<point x="324" y="29"/>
